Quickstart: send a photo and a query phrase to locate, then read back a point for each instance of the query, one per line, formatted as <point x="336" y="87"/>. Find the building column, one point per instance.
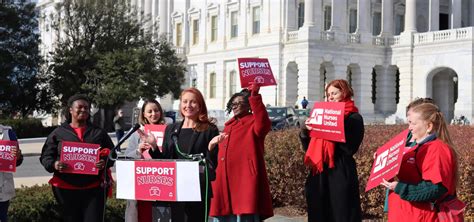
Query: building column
<point x="387" y="18"/>
<point x="312" y="20"/>
<point x="434" y="15"/>
<point x="362" y="86"/>
<point x="308" y="78"/>
<point x="163" y="16"/>
<point x="154" y="16"/>
<point x="133" y="4"/>
<point x="308" y="13"/>
<point x="363" y="21"/>
<point x="410" y="16"/>
<point x="147" y="13"/>
<point x="455" y="14"/>
<point x="338" y="15"/>
<point x="339" y="20"/>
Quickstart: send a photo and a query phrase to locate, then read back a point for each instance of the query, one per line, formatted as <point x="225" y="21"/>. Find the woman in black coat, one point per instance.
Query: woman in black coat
<point x="82" y="197"/>
<point x="192" y="136"/>
<point x="332" y="188"/>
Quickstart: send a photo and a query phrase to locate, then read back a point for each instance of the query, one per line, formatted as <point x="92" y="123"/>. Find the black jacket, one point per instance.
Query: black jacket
<point x="52" y="147"/>
<point x="199" y="141"/>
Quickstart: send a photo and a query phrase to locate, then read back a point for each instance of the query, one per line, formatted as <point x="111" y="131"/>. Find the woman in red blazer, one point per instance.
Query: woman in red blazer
<point x="241" y="190"/>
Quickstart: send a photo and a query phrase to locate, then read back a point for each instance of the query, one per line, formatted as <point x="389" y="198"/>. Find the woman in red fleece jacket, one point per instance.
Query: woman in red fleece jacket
<point x="241" y="187"/>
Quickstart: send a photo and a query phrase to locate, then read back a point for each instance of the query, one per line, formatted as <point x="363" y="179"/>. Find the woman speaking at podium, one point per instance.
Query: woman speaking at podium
<point x="191" y="136"/>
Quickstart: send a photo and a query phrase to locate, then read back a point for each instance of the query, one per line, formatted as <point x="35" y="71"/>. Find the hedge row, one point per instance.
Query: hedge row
<point x="287" y="174"/>
<point x="28" y="128"/>
<point x="37" y="203"/>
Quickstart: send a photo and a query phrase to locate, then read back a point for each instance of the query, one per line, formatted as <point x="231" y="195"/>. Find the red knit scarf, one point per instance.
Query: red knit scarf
<point x="321" y="151"/>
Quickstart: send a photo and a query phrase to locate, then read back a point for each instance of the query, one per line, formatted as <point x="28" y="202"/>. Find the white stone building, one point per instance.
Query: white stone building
<point x="391" y="51"/>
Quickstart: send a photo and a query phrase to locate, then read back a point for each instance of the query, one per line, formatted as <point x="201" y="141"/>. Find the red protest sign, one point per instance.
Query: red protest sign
<point x="80" y="157"/>
<point x="7" y="160"/>
<point x="388" y="161"/>
<point x="155" y="180"/>
<point x="255" y="70"/>
<point x="327" y="121"/>
<point x="158" y="131"/>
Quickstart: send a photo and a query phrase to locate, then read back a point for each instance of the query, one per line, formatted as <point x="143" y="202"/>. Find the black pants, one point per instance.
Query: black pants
<point x="4" y="210"/>
<point x="81" y="205"/>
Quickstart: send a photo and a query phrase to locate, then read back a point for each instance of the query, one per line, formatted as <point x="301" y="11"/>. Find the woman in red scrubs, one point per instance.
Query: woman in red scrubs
<point x="428" y="172"/>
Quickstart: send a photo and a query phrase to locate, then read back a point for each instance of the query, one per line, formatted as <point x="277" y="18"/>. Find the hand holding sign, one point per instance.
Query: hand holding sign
<point x="254" y="88"/>
<point x="389" y="185"/>
<point x="100" y="165"/>
<point x="59" y="166"/>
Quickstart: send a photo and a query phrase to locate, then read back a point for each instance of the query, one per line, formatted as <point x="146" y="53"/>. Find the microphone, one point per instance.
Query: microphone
<point x="113" y="153"/>
<point x="174" y="137"/>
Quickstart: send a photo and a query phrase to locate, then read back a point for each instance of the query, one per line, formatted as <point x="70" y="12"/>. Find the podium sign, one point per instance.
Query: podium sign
<point x="158" y="180"/>
<point x="80" y="157"/>
<point x="7" y="160"/>
<point x="388" y="161"/>
<point x="327" y="120"/>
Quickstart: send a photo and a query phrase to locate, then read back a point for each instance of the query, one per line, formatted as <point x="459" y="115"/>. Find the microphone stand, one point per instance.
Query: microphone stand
<point x="113" y="156"/>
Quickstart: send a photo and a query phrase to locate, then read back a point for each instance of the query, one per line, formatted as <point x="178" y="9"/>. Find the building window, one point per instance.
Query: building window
<point x="376" y="23"/>
<point x="352" y="21"/>
<point x="213" y="28"/>
<point x="327" y="17"/>
<point x="300" y="14"/>
<point x="232" y="82"/>
<point x="256" y="20"/>
<point x="234" y="25"/>
<point x="212" y="85"/>
<point x="179" y="32"/>
<point x="195" y="32"/>
<point x="399" y="24"/>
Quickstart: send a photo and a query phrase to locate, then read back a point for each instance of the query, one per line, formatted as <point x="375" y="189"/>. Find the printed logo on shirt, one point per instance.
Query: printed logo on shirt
<point x="411" y="160"/>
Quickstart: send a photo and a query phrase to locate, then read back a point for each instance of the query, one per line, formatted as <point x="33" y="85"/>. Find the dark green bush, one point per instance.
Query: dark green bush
<point x="27" y="128"/>
<point x="37" y="203"/>
<point x="287" y="173"/>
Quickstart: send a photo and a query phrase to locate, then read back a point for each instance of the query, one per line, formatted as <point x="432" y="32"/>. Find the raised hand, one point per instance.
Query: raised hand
<point x="148" y="140"/>
<point x="216" y="140"/>
<point x="254" y="88"/>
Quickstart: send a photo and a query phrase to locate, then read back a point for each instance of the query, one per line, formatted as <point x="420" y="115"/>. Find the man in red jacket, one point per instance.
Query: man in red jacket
<point x="241" y="187"/>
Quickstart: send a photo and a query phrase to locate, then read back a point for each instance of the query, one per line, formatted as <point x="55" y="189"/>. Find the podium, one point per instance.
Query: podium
<point x="158" y="180"/>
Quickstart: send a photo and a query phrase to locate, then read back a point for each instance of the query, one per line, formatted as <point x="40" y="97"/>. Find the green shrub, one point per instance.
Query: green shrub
<point x="287" y="173"/>
<point x="37" y="203"/>
<point x="27" y="128"/>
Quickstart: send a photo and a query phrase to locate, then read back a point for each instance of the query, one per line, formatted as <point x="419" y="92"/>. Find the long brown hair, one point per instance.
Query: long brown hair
<point x="430" y="113"/>
<point x="142" y="120"/>
<point x="343" y="86"/>
<point x="203" y="121"/>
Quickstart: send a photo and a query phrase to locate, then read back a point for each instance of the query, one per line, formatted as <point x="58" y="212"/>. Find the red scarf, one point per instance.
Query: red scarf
<point x="321" y="151"/>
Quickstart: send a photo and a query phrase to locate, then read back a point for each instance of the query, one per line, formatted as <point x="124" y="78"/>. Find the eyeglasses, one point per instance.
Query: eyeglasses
<point x="237" y="104"/>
